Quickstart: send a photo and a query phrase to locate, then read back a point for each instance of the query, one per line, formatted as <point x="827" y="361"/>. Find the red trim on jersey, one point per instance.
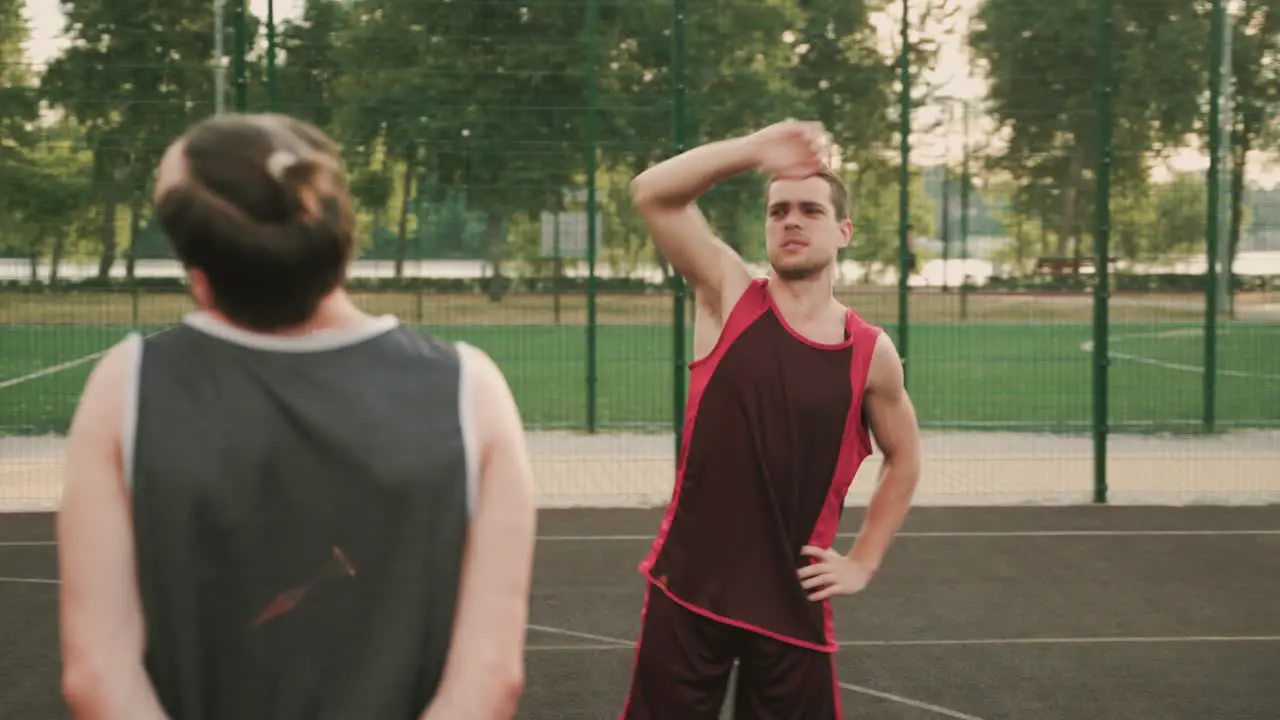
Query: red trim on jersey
<point x="855" y="445"/>
<point x="750" y="306"/>
<point x="829" y="648"/>
<point x="854" y="449"/>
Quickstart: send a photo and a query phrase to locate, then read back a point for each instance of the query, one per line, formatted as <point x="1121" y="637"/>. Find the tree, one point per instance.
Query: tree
<point x="1041" y="59"/>
<point x="1255" y="69"/>
<point x="135" y="75"/>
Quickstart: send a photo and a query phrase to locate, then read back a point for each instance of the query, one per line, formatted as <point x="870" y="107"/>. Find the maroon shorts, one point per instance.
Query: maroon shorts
<point x="683" y="661"/>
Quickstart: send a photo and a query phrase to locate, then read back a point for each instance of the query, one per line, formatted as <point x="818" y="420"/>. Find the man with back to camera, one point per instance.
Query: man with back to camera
<point x="283" y="507"/>
<point x="785" y="390"/>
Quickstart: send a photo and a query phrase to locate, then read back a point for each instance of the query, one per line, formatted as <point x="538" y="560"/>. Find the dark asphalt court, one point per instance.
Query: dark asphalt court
<point x="1092" y="613"/>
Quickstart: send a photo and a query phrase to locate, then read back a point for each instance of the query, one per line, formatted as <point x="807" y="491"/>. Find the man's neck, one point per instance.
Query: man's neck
<point x="337" y="311"/>
<point x="803" y="299"/>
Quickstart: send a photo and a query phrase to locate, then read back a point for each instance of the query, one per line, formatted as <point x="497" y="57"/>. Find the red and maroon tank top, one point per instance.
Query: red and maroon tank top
<point x="773" y="437"/>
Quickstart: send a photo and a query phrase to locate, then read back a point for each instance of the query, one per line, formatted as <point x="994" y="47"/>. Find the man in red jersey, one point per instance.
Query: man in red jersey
<point x="784" y="393"/>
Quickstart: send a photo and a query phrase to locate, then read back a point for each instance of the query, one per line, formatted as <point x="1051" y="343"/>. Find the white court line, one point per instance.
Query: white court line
<point x="51" y="370"/>
<point x="956" y="534"/>
<point x="1087" y="346"/>
<point x="618" y="644"/>
<point x="62" y="366"/>
<point x="976" y="642"/>
<point x="585" y="636"/>
<point x="30" y="581"/>
<point x="937" y="709"/>
<point x="963" y="534"/>
<point x="1137" y="639"/>
<point x="584" y="647"/>
<point x="574" y="648"/>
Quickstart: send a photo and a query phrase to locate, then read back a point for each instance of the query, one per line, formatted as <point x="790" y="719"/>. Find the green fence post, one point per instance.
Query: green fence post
<point x="271" y="56"/>
<point x="593" y="16"/>
<point x="966" y="180"/>
<point x="904" y="192"/>
<point x="1212" y="239"/>
<point x="1102" y="236"/>
<point x="678" y="288"/>
<point x="219" y="54"/>
<point x="238" y="67"/>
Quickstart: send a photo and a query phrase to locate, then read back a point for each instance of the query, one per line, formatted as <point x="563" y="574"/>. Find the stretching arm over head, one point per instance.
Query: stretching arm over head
<point x="666" y="194"/>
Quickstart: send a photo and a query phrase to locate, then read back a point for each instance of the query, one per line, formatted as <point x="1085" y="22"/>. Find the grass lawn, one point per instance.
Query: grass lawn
<point x="1011" y="365"/>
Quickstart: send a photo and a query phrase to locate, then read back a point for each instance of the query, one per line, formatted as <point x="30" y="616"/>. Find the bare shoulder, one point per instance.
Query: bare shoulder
<point x="101" y="403"/>
<point x="478" y="366"/>
<point x="488" y="389"/>
<point x="490" y="405"/>
<point x="117" y="362"/>
<point x="716" y="303"/>
<point x="885" y="376"/>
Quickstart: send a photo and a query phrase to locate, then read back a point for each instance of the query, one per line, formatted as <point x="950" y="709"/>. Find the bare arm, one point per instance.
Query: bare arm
<point x="484" y="675"/>
<point x="892" y="417"/>
<point x="100" y="613"/>
<point x="666" y="194"/>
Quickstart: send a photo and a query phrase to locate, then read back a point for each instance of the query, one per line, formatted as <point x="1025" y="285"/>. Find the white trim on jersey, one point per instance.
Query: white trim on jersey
<point x="312" y="342"/>
<point x="129" y="419"/>
<point x="465" y="415"/>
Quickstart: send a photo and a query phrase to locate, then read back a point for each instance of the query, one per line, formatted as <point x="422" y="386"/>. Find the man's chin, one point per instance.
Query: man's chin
<point x="794" y="272"/>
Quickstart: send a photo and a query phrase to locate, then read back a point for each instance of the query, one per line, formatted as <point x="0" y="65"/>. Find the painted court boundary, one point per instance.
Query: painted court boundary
<point x="64" y="365"/>
<point x="1087" y="347"/>
<point x="605" y="642"/>
<point x="926" y="534"/>
<point x="961" y="534"/>
<point x="620" y="644"/>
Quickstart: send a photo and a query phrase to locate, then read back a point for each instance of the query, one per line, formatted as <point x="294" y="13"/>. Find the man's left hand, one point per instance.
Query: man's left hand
<point x="833" y="574"/>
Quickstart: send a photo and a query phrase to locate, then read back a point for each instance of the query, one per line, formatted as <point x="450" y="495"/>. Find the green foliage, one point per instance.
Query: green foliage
<point x="1042" y="61"/>
<point x="461" y="122"/>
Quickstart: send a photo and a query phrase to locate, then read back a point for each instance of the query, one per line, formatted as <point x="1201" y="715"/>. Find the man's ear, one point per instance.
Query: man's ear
<point x="201" y="291"/>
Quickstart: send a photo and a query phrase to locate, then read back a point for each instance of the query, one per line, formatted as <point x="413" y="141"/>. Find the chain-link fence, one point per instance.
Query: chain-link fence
<point x="490" y="144"/>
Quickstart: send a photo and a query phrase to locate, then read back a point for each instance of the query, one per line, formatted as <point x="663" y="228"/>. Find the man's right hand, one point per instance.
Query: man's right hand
<point x="791" y="149"/>
<point x="666" y="195"/>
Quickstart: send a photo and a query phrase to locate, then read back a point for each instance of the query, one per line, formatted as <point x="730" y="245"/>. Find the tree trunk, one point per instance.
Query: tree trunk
<point x="55" y="256"/>
<point x="402" y="233"/>
<point x="1240" y="155"/>
<point x="1070" y="227"/>
<point x="108" y="257"/>
<point x="494" y="241"/>
<point x="135" y="231"/>
<point x="35" y="257"/>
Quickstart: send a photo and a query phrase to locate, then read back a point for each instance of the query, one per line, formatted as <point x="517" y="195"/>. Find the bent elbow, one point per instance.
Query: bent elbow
<point x="903" y="467"/>
<point x="641" y="191"/>
<point x="508" y="694"/>
<point x="82" y="689"/>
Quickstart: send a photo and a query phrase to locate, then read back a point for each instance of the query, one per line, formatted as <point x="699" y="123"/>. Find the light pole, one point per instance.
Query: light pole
<point x="965" y="182"/>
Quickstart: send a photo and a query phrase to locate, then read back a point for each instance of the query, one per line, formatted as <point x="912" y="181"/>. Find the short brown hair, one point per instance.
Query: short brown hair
<point x="839" y="193"/>
<point x="264" y="213"/>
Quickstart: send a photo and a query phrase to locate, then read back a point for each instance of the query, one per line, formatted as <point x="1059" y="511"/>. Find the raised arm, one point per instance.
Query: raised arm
<point x="484" y="674"/>
<point x="666" y="194"/>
